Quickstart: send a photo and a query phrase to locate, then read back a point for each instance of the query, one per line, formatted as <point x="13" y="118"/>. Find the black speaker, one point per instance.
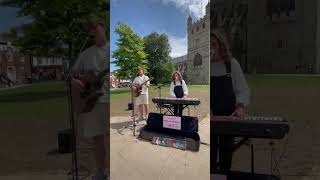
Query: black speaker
<point x="130" y="106"/>
<point x="188" y="123"/>
<point x="249" y="176"/>
<point x="65" y="141"/>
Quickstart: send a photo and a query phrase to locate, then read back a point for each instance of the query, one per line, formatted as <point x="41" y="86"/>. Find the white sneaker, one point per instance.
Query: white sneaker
<point x="139" y="119"/>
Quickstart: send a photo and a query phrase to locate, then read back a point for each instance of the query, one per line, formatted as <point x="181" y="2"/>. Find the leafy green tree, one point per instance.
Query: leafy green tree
<point x="165" y="69"/>
<point x="158" y="50"/>
<point x="130" y="54"/>
<point x="57" y="27"/>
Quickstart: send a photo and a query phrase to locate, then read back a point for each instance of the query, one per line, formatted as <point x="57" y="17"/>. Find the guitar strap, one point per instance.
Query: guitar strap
<point x="102" y="61"/>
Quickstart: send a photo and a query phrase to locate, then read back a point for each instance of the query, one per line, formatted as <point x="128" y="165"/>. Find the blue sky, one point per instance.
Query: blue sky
<point x="162" y="16"/>
<point x="9" y="19"/>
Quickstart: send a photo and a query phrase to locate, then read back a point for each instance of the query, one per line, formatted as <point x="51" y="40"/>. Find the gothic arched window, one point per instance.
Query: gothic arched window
<point x="9" y="54"/>
<point x="197" y="61"/>
<point x="276" y="6"/>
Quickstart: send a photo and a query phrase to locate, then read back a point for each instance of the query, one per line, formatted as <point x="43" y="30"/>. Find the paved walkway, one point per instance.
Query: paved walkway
<point x="140" y="160"/>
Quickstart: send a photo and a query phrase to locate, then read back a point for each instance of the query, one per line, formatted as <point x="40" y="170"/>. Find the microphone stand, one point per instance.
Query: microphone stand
<point x="159" y="87"/>
<point x="132" y="114"/>
<point x="75" y="169"/>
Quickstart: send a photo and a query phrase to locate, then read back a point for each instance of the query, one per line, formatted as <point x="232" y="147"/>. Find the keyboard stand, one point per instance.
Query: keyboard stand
<point x="252" y="159"/>
<point x="169" y="108"/>
<point x="239" y="144"/>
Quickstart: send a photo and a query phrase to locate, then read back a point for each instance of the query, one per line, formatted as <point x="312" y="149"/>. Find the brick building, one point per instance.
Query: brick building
<point x="47" y="68"/>
<point x="15" y="65"/>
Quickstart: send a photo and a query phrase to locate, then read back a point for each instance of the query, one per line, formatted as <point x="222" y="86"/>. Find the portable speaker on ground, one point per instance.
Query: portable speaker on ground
<point x="234" y="175"/>
<point x="65" y="141"/>
<point x="130" y="106"/>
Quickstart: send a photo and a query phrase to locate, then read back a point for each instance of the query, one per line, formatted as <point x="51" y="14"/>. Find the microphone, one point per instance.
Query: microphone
<point x="159" y="86"/>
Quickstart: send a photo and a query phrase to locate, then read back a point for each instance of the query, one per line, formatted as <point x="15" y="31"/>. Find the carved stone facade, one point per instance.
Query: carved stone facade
<point x="271" y="36"/>
<point x="196" y="64"/>
<point x="181" y="65"/>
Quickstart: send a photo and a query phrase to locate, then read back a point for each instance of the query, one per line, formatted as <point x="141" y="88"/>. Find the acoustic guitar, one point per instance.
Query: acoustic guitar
<point x="137" y="89"/>
<point x="85" y="99"/>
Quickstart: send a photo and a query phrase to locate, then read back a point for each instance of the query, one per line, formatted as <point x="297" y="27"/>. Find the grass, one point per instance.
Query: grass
<point x="121" y="93"/>
<point x="34" y="101"/>
<point x="121" y="97"/>
<point x="49" y="98"/>
<point x="23" y="109"/>
<point x="261" y="81"/>
<point x="296" y="99"/>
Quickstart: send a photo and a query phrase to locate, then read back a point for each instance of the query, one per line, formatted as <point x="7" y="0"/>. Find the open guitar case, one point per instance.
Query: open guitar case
<point x="188" y="132"/>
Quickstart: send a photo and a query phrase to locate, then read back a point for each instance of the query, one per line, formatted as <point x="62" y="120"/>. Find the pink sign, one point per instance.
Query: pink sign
<point x="172" y="122"/>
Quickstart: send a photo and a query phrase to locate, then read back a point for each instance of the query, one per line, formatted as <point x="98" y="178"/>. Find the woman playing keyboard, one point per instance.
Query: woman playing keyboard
<point x="178" y="89"/>
<point x="229" y="96"/>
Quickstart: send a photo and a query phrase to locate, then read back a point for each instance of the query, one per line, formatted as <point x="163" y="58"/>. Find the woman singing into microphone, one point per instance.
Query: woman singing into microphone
<point x="178" y="89"/>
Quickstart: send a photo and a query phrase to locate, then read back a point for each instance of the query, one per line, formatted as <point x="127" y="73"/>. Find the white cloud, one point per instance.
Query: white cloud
<point x="192" y="6"/>
<point x="179" y="46"/>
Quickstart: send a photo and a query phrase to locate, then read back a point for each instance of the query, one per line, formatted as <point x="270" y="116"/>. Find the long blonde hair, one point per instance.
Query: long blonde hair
<point x="179" y="75"/>
<point x="225" y="51"/>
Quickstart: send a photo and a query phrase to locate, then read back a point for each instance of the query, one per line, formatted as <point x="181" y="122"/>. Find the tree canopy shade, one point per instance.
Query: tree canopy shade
<point x="58" y="27"/>
<point x="130" y="54"/>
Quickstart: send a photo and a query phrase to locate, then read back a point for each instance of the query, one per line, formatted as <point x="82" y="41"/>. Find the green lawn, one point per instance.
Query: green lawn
<point x="117" y="94"/>
<point x="49" y="98"/>
<point x="34" y="101"/>
<point x="42" y="108"/>
<point x="284" y="81"/>
<point x="121" y="97"/>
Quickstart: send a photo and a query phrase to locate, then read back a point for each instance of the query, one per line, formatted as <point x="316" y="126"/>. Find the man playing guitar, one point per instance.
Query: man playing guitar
<point x="93" y="122"/>
<point x="142" y="101"/>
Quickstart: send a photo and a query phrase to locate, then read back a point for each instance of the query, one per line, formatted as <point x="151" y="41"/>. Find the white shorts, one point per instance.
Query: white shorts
<point x="142" y="99"/>
<point x="94" y="123"/>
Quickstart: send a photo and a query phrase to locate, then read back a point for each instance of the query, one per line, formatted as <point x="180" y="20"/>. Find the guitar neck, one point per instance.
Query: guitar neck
<point x="145" y="82"/>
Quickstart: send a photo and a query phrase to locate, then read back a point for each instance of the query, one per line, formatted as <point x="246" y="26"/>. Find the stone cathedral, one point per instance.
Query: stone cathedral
<point x="271" y="36"/>
<point x="194" y="66"/>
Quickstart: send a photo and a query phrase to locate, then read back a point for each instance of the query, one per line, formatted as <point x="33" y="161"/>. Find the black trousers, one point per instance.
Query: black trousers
<point x="177" y="110"/>
<point x="221" y="153"/>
